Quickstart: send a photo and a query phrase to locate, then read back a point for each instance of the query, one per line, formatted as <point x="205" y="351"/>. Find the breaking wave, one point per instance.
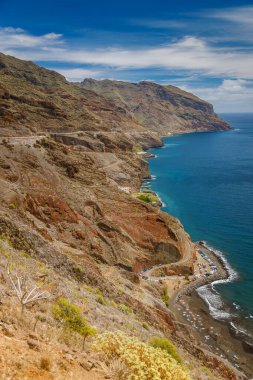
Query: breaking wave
<point x="218" y="309"/>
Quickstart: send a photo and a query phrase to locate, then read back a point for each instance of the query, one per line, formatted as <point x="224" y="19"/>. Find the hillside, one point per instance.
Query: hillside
<point x="73" y="229"/>
<point x="163" y="109"/>
<point x="34" y="99"/>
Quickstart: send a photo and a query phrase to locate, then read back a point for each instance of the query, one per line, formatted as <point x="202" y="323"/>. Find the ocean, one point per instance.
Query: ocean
<point x="206" y="180"/>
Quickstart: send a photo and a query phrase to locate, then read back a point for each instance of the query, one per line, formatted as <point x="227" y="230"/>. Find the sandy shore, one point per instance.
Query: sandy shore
<point x="192" y="311"/>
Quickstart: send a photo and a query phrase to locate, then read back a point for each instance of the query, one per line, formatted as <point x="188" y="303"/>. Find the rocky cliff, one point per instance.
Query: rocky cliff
<point x="159" y="108"/>
<point x="68" y="224"/>
<point x="34" y="99"/>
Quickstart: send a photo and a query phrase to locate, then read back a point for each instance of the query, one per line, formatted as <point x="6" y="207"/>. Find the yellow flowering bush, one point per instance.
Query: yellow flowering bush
<point x="144" y="362"/>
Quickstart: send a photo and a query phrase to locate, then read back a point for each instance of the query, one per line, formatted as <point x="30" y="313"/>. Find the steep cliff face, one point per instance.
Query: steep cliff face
<point x="36" y="100"/>
<point x="159" y="108"/>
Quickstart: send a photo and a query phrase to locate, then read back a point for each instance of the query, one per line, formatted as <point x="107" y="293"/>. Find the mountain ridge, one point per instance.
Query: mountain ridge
<point x="161" y="108"/>
<point x="62" y="106"/>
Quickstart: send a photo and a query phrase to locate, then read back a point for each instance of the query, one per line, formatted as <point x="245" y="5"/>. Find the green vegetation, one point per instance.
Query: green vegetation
<point x="100" y="299"/>
<point x="137" y="148"/>
<point x="165" y="295"/>
<point x="113" y="303"/>
<point x="142" y="360"/>
<point x="145" y="325"/>
<point x="12" y="206"/>
<point x="147" y="197"/>
<point x="206" y="370"/>
<point x="70" y="316"/>
<point x="42" y="141"/>
<point x="125" y="309"/>
<point x="92" y="290"/>
<point x="166" y="345"/>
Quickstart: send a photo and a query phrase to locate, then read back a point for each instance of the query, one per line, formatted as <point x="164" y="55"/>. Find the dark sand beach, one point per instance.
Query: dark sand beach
<point x="216" y="335"/>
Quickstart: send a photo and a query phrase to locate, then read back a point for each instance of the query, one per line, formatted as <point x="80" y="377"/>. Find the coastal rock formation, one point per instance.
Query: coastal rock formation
<point x="164" y="109"/>
<point x="69" y="222"/>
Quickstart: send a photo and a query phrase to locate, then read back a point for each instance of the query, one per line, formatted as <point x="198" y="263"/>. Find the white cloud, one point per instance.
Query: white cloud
<point x="77" y="75"/>
<point x="17" y="38"/>
<point x="235" y="24"/>
<point x="242" y="15"/>
<point x="189" y="53"/>
<point x="231" y="94"/>
<point x="233" y="85"/>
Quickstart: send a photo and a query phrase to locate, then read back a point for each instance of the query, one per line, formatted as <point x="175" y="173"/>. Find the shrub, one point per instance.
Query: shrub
<point x="100" y="299"/>
<point x="25" y="291"/>
<point x="113" y="303"/>
<point x="145" y="325"/>
<point x="166" y="345"/>
<point x="165" y="295"/>
<point x="125" y="309"/>
<point x="137" y="148"/>
<point x="45" y="364"/>
<point x="142" y="360"/>
<point x="12" y="206"/>
<point x="42" y="141"/>
<point x="70" y="315"/>
<point x="147" y="197"/>
<point x="92" y="290"/>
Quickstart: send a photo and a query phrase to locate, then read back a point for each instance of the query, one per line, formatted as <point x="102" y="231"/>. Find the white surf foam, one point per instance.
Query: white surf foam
<point x="214" y="302"/>
<point x="238" y="329"/>
<point x="231" y="272"/>
<point x="211" y="296"/>
<point x="160" y="199"/>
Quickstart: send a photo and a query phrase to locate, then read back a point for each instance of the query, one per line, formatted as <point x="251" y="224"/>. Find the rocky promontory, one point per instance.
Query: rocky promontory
<point x="163" y="109"/>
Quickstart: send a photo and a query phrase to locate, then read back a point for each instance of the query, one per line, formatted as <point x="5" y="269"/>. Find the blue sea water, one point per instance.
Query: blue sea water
<point x="206" y="180"/>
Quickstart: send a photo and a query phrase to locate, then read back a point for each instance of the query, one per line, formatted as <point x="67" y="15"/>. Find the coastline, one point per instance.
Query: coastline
<point x="215" y="335"/>
<point x="192" y="310"/>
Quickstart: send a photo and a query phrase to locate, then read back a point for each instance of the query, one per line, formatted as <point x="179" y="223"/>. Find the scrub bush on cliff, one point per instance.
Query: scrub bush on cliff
<point x="70" y="316"/>
<point x="166" y="345"/>
<point x="165" y="295"/>
<point x="142" y="360"/>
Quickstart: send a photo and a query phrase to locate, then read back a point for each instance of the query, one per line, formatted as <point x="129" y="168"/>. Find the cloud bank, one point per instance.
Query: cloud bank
<point x="188" y="53"/>
<point x="230" y="96"/>
<point x="191" y="56"/>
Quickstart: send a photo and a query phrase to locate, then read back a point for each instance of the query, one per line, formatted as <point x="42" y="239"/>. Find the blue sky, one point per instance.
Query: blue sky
<point x="203" y="47"/>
